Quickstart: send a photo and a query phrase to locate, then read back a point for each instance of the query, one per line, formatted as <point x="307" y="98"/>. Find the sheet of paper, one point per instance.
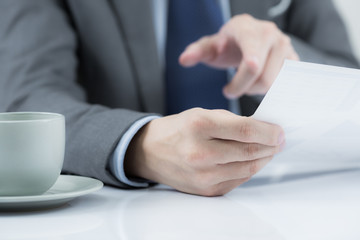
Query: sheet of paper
<point x="318" y="107"/>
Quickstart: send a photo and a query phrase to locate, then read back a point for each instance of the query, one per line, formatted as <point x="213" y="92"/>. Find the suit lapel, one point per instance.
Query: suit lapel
<point x="141" y="42"/>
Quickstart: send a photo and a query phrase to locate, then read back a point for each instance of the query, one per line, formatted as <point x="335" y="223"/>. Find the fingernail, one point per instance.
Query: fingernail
<point x="281" y="138"/>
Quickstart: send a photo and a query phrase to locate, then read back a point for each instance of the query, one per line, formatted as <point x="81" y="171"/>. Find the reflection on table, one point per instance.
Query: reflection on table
<point x="287" y="200"/>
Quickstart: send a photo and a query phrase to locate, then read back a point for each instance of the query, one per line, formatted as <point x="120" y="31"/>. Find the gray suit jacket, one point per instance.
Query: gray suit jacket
<point x="96" y="62"/>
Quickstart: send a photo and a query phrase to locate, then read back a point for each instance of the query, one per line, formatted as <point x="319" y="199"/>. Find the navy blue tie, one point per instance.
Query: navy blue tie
<point x="199" y="86"/>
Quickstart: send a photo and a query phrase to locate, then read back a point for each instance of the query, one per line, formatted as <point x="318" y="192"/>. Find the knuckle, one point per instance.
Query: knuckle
<point x="198" y="121"/>
<point x="285" y="41"/>
<point x="194" y="111"/>
<point x="253" y="167"/>
<point x="270" y="27"/>
<point x="222" y="111"/>
<point x="251" y="68"/>
<point x="242" y="21"/>
<point x="195" y="157"/>
<point x="269" y="30"/>
<point x="245" y="17"/>
<point x="246" y="130"/>
<point x="251" y="150"/>
<point x="199" y="156"/>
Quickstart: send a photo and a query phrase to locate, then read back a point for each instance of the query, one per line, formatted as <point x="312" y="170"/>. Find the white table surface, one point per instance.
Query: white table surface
<point x="308" y="200"/>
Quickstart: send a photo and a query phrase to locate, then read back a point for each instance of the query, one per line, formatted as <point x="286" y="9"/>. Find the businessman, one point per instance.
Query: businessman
<point x="146" y="86"/>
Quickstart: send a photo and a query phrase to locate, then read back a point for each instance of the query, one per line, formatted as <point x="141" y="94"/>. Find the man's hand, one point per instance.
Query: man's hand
<point x="256" y="48"/>
<point x="204" y="152"/>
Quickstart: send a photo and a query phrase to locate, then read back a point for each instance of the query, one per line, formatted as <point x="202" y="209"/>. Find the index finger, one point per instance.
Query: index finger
<point x="203" y="50"/>
<point x="246" y="129"/>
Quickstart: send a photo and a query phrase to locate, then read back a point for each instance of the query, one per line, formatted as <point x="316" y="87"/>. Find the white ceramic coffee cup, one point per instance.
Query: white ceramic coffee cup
<point x="32" y="147"/>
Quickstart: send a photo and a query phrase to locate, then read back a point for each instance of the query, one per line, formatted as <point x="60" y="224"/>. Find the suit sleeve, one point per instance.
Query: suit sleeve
<point x="38" y="66"/>
<point x="319" y="34"/>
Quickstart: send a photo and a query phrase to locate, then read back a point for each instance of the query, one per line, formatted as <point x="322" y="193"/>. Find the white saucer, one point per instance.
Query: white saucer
<point x="65" y="189"/>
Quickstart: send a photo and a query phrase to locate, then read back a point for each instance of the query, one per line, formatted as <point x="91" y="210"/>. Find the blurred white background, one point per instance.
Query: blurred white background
<point x="350" y="11"/>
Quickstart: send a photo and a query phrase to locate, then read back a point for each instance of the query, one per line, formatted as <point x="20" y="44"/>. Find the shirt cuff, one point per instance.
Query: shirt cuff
<point x="117" y="160"/>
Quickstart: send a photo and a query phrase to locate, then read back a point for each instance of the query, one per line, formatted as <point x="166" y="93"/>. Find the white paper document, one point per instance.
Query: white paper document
<point x="318" y="107"/>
